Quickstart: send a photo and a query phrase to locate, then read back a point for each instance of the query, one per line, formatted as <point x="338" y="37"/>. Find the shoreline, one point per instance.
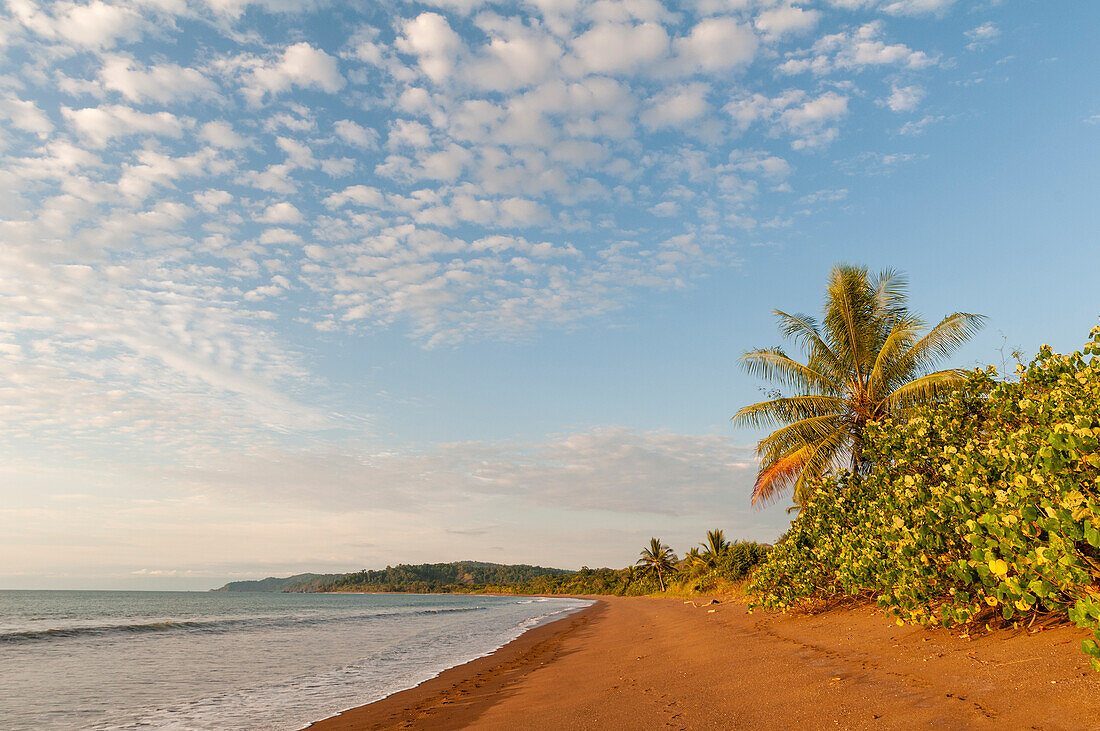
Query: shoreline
<point x="644" y="662"/>
<point x="406" y="706"/>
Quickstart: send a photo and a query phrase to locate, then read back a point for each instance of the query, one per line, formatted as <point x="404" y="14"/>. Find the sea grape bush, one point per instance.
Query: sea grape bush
<point x="985" y="505"/>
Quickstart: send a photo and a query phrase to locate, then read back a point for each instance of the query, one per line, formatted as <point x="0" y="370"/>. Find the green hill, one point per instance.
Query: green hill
<point x="298" y="582"/>
<point x="409" y="578"/>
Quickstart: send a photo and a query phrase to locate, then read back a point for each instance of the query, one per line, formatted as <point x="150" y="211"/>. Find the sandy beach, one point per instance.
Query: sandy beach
<point x="640" y="663"/>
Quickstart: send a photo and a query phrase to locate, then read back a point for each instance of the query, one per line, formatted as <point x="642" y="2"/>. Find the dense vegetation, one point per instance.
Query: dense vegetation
<point x="298" y="582"/>
<point x="717" y="567"/>
<point x="983" y="507"/>
<point x="699" y="572"/>
<point x="438" y="577"/>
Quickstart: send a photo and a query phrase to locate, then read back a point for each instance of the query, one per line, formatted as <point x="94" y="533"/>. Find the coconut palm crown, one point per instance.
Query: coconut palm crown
<point x="867" y="359"/>
<point x="657" y="558"/>
<point x="715" y="546"/>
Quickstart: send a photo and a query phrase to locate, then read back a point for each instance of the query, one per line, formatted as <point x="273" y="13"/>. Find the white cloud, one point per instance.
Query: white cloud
<point x="898" y="7"/>
<point x="811" y="122"/>
<point x="856" y="49"/>
<point x="618" y="47"/>
<point x="917" y="7"/>
<point x="211" y="200"/>
<point x="786" y="19"/>
<point x="94" y="25"/>
<point x="360" y="194"/>
<point x="282" y="212"/>
<point x="26" y="116"/>
<point x="100" y="125"/>
<point x="982" y="35"/>
<point x="516" y="56"/>
<point x="409" y="133"/>
<point x="904" y="98"/>
<point x="273" y="178"/>
<point x="430" y="38"/>
<point x="916" y="127"/>
<point x="299" y="154"/>
<point x="676" y="106"/>
<point x="716" y="44"/>
<point x="355" y="134"/>
<point x="221" y="134"/>
<point x="161" y="83"/>
<point x="235" y="8"/>
<point x="665" y="208"/>
<point x="300" y="65"/>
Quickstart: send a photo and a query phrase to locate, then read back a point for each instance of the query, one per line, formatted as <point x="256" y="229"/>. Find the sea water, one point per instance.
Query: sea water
<point x="219" y="660"/>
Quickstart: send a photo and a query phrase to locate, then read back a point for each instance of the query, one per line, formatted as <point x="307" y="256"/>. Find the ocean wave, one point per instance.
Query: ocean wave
<point x="214" y="625"/>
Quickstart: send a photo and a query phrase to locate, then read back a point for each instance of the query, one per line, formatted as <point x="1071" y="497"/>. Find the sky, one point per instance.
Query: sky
<point x="317" y="286"/>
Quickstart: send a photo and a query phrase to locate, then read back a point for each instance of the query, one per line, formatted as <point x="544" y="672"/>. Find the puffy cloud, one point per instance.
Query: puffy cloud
<point x="917" y="7"/>
<point x="355" y="134"/>
<point x="982" y="35"/>
<point x="282" y="212"/>
<point x="93" y="25"/>
<point x="360" y="194"/>
<point x="811" y="121"/>
<point x="676" y="106"/>
<point x="516" y="56"/>
<point x="904" y="98"/>
<point x="430" y="38"/>
<point x="856" y="49"/>
<point x="785" y="19"/>
<point x="898" y="7"/>
<point x="234" y="8"/>
<point x="100" y="125"/>
<point x="25" y="115"/>
<point x="716" y="44"/>
<point x="211" y="200"/>
<point x="162" y="83"/>
<point x="300" y="65"/>
<point x="409" y="133"/>
<point x="221" y="134"/>
<point x="620" y="47"/>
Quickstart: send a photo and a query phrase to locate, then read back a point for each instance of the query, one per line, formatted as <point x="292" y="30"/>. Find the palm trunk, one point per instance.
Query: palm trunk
<point x="660" y="579"/>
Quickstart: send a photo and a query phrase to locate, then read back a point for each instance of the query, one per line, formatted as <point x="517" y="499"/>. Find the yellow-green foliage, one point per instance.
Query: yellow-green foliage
<point x="986" y="504"/>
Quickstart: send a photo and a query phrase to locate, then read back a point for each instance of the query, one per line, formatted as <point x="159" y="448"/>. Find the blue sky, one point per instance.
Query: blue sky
<point x="302" y="286"/>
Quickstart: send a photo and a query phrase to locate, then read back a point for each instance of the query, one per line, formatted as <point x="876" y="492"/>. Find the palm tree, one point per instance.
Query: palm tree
<point x="658" y="558"/>
<point x="715" y="546"/>
<point x="866" y="360"/>
<point x="695" y="563"/>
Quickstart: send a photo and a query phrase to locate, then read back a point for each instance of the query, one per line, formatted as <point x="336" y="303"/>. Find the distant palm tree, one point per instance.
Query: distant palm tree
<point x="657" y="558"/>
<point x="867" y="360"/>
<point x="715" y="547"/>
<point x="695" y="563"/>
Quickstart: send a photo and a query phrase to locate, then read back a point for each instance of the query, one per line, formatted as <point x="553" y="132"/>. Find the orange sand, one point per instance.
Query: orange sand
<point x="644" y="663"/>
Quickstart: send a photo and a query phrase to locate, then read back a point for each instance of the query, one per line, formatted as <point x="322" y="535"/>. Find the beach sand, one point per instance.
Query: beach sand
<point x="643" y="663"/>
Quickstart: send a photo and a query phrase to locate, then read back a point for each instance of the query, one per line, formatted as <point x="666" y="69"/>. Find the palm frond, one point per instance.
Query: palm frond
<point x="799" y="434"/>
<point x="926" y="389"/>
<point x="898" y="341"/>
<point x="849" y="313"/>
<point x="787" y="410"/>
<point x="772" y="364"/>
<point x="825" y="454"/>
<point x="778" y="477"/>
<point x="890" y="292"/>
<point x="941" y="341"/>
<point x="803" y="330"/>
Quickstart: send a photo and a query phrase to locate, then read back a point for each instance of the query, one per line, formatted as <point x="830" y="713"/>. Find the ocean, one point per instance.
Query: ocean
<point x="218" y="660"/>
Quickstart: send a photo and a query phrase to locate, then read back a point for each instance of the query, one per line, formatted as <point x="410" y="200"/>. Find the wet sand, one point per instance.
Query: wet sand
<point x="643" y="663"/>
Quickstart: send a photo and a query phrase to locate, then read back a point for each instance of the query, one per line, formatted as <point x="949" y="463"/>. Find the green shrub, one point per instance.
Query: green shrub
<point x="985" y="505"/>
